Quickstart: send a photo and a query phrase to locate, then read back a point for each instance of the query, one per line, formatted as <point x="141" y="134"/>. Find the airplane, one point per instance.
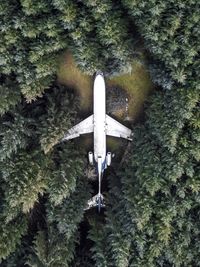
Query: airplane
<point x="101" y="125"/>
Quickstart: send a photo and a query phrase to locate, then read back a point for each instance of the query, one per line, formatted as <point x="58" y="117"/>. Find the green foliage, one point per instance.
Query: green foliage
<point x="66" y="165"/>
<point x="9" y="94"/>
<point x="152" y="218"/>
<point x="98" y="236"/>
<point x="157" y="210"/>
<point x="15" y="134"/>
<point x="69" y="213"/>
<point x="33" y="9"/>
<point x="18" y="257"/>
<point x="10" y="235"/>
<point x="153" y="207"/>
<point x="170" y="32"/>
<point x="66" y="170"/>
<point x="159" y="202"/>
<point x="50" y="251"/>
<point x="29" y="175"/>
<point x="110" y="50"/>
<point x="166" y="121"/>
<point x="25" y="179"/>
<point x="26" y="30"/>
<point x="58" y="118"/>
<point x="34" y="35"/>
<point x="112" y="239"/>
<point x="55" y="245"/>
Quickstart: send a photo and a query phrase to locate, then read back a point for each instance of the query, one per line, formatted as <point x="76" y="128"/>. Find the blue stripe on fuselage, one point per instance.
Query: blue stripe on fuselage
<point x="103" y="166"/>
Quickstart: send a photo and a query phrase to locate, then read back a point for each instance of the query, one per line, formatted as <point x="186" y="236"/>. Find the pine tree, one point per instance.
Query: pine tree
<point x="9" y="93"/>
<point x="29" y="175"/>
<point x="157" y="202"/>
<point x="152" y="216"/>
<point x="55" y="245"/>
<point x="11" y="234"/>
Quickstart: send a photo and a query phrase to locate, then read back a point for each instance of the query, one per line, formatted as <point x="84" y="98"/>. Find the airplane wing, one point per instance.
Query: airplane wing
<point x="84" y="127"/>
<point x="116" y="129"/>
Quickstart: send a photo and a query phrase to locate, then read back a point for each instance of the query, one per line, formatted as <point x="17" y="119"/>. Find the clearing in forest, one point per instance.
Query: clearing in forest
<point x="137" y="84"/>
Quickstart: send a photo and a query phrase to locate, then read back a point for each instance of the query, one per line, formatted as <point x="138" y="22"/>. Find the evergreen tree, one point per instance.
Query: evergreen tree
<point x="9" y="93"/>
<point x="54" y="246"/>
<point x="27" y="173"/>
<point x="153" y="212"/>
<point x="170" y="32"/>
<point x="153" y="203"/>
<point x="34" y="36"/>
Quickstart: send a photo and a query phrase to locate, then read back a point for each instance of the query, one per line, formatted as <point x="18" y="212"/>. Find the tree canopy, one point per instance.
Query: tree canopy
<point x="153" y="196"/>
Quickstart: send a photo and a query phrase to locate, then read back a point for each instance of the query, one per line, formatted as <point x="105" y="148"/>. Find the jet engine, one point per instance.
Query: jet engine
<point x="108" y="158"/>
<point x="91" y="158"/>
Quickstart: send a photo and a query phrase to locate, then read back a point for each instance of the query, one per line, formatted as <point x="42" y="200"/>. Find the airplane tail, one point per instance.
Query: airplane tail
<point x="96" y="201"/>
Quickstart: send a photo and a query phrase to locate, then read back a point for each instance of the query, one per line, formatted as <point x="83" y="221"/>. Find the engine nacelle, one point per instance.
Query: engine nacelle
<point x="91" y="158"/>
<point x="108" y="158"/>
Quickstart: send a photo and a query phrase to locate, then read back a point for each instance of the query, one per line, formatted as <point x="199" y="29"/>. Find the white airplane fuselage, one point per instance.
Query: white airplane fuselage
<point x="99" y="108"/>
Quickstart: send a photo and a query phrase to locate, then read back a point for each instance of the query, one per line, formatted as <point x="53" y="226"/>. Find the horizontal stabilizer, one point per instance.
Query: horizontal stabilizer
<point x="116" y="129"/>
<point x="84" y="127"/>
<point x="94" y="202"/>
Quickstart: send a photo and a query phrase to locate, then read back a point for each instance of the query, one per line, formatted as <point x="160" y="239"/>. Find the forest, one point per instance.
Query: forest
<point x="152" y="214"/>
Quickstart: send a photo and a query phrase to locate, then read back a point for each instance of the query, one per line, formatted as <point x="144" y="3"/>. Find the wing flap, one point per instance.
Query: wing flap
<point x="83" y="127"/>
<point x="116" y="129"/>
